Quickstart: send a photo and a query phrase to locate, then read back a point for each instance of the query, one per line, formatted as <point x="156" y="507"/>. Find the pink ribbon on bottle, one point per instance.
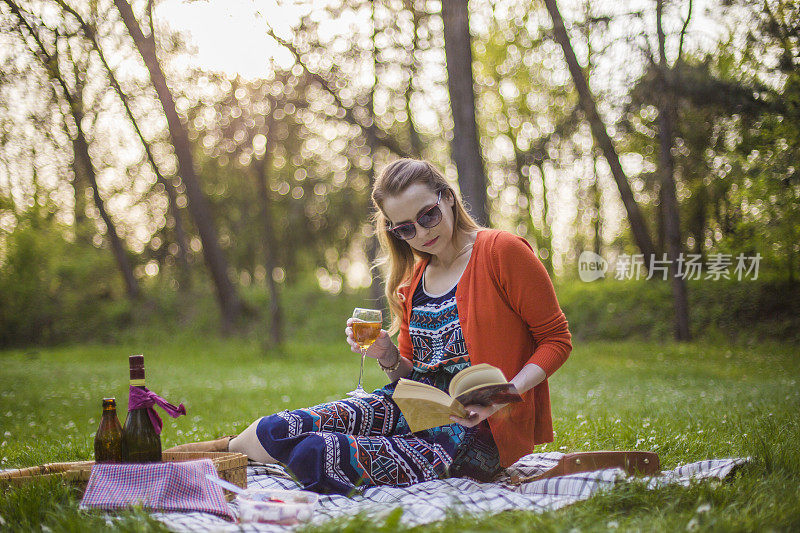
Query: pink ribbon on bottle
<point x="142" y="398"/>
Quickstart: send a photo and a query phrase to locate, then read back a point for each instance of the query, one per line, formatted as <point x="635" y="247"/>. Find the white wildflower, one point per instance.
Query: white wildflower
<point x="703" y="508"/>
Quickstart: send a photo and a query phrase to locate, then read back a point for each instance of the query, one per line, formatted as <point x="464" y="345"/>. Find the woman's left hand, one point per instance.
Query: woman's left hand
<point x="476" y="414"/>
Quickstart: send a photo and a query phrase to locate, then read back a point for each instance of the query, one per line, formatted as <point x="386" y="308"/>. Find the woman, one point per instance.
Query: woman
<point x="459" y="295"/>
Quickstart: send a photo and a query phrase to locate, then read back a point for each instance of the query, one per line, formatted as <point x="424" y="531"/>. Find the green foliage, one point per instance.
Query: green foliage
<point x="59" y="291"/>
<point x="55" y="290"/>
<point x="310" y="315"/>
<point x="259" y="140"/>
<point x="737" y="141"/>
<point x="768" y="184"/>
<point x="527" y="114"/>
<point x="719" y="310"/>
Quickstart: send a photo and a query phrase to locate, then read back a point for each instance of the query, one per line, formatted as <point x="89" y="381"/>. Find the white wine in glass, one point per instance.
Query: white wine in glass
<point x="366" y="328"/>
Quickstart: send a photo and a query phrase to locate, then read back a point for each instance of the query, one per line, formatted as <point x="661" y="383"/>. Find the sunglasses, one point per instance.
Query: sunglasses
<point x="428" y="219"/>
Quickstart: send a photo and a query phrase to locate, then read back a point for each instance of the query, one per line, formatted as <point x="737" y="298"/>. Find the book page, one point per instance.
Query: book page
<point x="424" y="406"/>
<point x="475" y="376"/>
<point x="407" y="388"/>
<point x="489" y="394"/>
<point x="424" y="414"/>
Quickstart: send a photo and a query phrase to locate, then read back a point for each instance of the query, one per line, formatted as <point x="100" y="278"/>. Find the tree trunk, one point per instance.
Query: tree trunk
<point x="534" y="233"/>
<point x="661" y="235"/>
<point x="82" y="164"/>
<point x="413" y="134"/>
<point x="596" y="201"/>
<point x="698" y="218"/>
<point x="524" y="185"/>
<point x="594" y="188"/>
<point x="465" y="146"/>
<point x="376" y="287"/>
<point x="672" y="232"/>
<point x="79" y="208"/>
<point x="230" y="304"/>
<point x="638" y="225"/>
<point x="790" y="272"/>
<point x="275" y="310"/>
<point x="81" y="154"/>
<point x="180" y="234"/>
<point x="547" y="238"/>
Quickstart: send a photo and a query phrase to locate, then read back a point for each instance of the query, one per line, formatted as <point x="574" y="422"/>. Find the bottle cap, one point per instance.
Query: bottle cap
<point x="136" y="363"/>
<point x="109" y="402"/>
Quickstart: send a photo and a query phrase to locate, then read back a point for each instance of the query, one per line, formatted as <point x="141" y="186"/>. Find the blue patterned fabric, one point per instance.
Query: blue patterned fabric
<point x="439" y="348"/>
<point x="343" y="445"/>
<point x="357" y="442"/>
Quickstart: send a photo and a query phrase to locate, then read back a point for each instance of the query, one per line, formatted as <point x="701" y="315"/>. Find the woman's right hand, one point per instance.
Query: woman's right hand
<point x="381" y="349"/>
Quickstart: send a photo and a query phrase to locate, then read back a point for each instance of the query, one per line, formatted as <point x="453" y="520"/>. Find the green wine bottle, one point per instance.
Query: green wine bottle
<point x="108" y="439"/>
<point x="141" y="443"/>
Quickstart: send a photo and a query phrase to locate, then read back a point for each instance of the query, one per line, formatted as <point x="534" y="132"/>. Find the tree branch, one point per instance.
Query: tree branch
<point x="150" y="23"/>
<point x="90" y="34"/>
<point x="373" y="133"/>
<point x="683" y="31"/>
<point x="781" y="32"/>
<point x="49" y="61"/>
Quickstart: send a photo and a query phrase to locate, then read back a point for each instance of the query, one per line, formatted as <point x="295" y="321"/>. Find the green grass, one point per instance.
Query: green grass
<point x="687" y="402"/>
<point x="719" y="311"/>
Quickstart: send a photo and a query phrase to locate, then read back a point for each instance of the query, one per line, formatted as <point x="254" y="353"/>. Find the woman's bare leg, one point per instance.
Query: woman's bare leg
<point x="247" y="443"/>
<point x="216" y="445"/>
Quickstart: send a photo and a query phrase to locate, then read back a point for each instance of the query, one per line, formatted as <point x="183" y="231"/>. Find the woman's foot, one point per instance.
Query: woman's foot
<point x="216" y="445"/>
<point x="249" y="444"/>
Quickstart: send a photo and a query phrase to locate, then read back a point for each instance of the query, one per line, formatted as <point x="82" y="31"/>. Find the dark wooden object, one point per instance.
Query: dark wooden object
<point x="633" y="462"/>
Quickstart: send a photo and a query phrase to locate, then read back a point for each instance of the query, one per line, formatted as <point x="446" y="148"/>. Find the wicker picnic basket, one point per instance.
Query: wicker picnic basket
<point x="230" y="466"/>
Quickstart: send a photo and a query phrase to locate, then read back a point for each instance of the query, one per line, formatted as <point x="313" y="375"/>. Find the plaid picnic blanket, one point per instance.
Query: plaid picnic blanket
<point x="434" y="500"/>
<point x="171" y="486"/>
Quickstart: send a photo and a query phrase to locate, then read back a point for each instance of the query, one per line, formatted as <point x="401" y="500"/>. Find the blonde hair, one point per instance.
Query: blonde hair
<point x="398" y="259"/>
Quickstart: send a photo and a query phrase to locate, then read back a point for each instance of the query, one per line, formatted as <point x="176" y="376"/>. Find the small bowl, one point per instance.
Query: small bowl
<point x="275" y="506"/>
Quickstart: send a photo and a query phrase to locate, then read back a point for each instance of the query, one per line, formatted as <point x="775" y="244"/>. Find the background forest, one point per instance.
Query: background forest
<point x="144" y="189"/>
<point x="190" y="179"/>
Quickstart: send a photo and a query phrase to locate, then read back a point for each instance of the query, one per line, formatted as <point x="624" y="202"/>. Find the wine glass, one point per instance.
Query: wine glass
<point x="366" y="328"/>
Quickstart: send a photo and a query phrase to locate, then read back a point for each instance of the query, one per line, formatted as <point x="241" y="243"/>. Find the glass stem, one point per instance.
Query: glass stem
<point x="361" y="371"/>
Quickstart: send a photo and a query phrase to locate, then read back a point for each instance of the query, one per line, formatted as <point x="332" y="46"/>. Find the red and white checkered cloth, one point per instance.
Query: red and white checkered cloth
<point x="180" y="486"/>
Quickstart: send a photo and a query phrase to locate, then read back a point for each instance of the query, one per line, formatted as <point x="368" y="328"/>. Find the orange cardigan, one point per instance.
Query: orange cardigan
<point x="510" y="317"/>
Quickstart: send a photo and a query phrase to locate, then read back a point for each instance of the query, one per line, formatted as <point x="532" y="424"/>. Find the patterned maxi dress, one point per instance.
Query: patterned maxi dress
<point x="361" y="442"/>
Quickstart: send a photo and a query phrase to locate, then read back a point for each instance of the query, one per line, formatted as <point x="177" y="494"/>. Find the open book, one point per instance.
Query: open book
<point x="427" y="407"/>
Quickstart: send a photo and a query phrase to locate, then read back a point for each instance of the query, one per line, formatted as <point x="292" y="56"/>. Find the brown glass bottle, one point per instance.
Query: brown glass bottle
<point x="140" y="442"/>
<point x="108" y="439"/>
